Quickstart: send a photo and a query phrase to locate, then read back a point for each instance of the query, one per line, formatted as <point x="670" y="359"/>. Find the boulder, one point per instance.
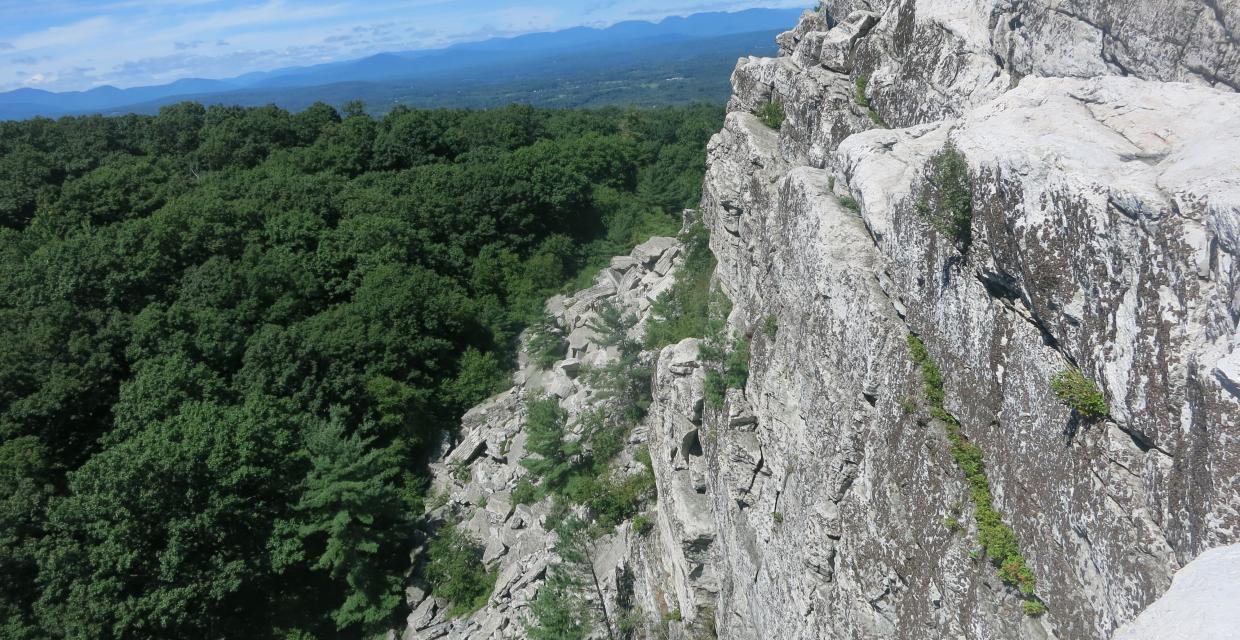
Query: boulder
<point x="649" y="252"/>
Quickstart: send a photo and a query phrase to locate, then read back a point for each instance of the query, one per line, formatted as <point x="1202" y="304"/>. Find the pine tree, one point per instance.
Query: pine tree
<point x="545" y="426"/>
<point x="624" y="383"/>
<point x="455" y="570"/>
<point x="559" y="609"/>
<point x="352" y="514"/>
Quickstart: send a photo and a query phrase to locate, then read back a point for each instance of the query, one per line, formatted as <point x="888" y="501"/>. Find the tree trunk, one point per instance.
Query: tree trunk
<point x="602" y="604"/>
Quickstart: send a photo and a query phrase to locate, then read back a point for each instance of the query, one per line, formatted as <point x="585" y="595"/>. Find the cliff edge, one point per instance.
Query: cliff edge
<point x="980" y="262"/>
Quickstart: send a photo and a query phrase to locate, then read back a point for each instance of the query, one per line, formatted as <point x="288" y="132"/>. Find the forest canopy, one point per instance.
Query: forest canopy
<point x="230" y="336"/>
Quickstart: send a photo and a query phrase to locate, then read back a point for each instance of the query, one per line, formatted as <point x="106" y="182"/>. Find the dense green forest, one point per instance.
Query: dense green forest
<point x="228" y="338"/>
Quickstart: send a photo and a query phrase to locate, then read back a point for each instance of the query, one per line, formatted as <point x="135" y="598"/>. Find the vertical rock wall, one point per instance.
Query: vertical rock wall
<point x="1104" y="238"/>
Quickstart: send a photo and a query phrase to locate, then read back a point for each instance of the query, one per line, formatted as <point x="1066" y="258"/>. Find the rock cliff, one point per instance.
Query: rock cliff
<point x="974" y="217"/>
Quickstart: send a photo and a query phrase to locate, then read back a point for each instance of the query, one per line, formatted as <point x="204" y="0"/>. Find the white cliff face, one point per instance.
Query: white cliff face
<point x="1103" y="238"/>
<point x="823" y="500"/>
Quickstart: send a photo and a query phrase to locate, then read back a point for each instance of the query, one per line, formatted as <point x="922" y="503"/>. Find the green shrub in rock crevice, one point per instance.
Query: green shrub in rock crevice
<point x="683" y="311"/>
<point x="995" y="536"/>
<point x="849" y="202"/>
<point x="525" y="492"/>
<point x="859" y="96"/>
<point x="771" y="114"/>
<point x="1080" y="393"/>
<point x="715" y="389"/>
<point x="736" y="370"/>
<point x="947" y="202"/>
<point x="770" y="326"/>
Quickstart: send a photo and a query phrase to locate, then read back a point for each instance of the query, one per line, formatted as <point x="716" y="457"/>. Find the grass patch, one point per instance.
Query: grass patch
<point x="947" y="202"/>
<point x="1080" y="393"/>
<point x="1034" y="608"/>
<point x="996" y="537"/>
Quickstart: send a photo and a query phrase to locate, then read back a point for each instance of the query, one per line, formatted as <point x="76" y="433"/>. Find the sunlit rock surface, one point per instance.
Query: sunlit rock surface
<point x="821" y="501"/>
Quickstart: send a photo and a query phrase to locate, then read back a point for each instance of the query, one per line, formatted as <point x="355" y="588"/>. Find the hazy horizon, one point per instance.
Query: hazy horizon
<point x="72" y="45"/>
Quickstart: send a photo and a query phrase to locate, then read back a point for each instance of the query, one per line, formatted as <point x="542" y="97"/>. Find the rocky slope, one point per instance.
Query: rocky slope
<point x="826" y="498"/>
<point x="476" y="475"/>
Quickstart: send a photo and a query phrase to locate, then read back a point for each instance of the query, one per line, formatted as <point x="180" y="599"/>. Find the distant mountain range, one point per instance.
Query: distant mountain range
<point x="676" y="60"/>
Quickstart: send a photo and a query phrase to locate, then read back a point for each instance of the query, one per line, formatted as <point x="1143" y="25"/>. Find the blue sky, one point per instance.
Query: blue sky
<point x="62" y="45"/>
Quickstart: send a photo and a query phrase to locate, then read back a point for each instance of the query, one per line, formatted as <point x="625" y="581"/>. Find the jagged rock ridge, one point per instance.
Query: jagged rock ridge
<point x="822" y="500"/>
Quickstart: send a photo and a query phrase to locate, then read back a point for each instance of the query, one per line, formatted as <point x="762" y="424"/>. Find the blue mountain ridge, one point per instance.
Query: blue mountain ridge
<point x="496" y="60"/>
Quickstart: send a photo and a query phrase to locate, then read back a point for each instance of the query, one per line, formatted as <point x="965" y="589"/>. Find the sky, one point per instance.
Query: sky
<point x="70" y="45"/>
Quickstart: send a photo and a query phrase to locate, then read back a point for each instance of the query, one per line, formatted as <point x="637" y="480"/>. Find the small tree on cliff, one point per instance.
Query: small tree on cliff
<point x="563" y="606"/>
<point x="545" y="426"/>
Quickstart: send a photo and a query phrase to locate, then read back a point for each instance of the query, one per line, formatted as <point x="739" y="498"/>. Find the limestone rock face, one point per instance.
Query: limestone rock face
<point x="823" y="499"/>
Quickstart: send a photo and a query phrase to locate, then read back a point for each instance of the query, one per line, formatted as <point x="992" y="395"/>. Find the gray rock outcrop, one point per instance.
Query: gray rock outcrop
<point x="825" y="499"/>
<point x="1103" y="237"/>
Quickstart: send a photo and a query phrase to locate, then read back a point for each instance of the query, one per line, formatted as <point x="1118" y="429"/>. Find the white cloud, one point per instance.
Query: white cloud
<point x="76" y="34"/>
<point x="137" y="42"/>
